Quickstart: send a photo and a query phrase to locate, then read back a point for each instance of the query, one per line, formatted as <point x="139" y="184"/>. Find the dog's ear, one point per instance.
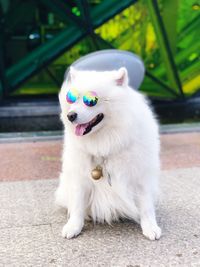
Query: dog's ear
<point x="71" y="74"/>
<point x="121" y="77"/>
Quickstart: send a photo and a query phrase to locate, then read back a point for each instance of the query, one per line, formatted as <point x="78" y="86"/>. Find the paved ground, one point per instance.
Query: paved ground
<point x="30" y="224"/>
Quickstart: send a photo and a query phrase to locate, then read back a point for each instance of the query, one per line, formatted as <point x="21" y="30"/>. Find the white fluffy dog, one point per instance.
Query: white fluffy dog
<point x="111" y="152"/>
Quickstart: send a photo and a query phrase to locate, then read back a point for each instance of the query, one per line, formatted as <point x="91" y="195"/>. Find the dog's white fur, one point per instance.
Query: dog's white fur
<point x="125" y="143"/>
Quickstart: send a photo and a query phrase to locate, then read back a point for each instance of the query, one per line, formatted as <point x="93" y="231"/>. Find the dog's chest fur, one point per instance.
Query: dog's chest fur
<point x="111" y="195"/>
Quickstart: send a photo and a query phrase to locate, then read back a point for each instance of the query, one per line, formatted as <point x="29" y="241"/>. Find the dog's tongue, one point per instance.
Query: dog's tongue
<point x="80" y="129"/>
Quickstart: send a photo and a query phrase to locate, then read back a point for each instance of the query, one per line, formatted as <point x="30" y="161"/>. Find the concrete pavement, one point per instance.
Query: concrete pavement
<point x="30" y="224"/>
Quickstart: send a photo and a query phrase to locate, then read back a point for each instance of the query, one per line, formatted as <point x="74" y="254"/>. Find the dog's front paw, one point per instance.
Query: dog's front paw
<point x="71" y="230"/>
<point x="152" y="232"/>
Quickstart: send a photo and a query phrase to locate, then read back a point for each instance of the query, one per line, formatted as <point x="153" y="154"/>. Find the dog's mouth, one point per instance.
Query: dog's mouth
<point x="85" y="128"/>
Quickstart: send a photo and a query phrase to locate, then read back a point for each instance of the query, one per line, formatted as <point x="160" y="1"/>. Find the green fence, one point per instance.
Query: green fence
<point x="39" y="39"/>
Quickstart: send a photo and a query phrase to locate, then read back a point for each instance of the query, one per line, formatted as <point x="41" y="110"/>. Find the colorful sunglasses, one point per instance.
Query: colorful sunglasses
<point x="72" y="96"/>
<point x="90" y="98"/>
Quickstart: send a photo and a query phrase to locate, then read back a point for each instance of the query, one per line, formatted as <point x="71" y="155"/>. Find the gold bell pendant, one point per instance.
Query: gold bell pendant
<point x="97" y="173"/>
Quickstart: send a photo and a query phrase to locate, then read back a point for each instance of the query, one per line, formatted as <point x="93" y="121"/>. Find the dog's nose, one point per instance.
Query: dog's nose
<point x="72" y="116"/>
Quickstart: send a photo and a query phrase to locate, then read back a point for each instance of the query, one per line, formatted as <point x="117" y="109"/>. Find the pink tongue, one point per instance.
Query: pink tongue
<point x="80" y="129"/>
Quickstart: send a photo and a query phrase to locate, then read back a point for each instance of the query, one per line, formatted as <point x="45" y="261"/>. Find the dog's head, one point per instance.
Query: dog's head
<point x="91" y="100"/>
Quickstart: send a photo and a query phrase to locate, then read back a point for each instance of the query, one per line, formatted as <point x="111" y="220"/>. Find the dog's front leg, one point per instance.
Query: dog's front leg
<point x="76" y="211"/>
<point x="148" y="222"/>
